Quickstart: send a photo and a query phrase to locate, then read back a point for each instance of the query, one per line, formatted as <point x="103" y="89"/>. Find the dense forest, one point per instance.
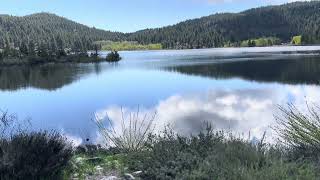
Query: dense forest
<point x="46" y="34"/>
<point x="283" y="22"/>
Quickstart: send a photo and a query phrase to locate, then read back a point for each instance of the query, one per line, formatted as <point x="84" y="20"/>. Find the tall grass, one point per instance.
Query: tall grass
<point x="133" y="133"/>
<point x="300" y="131"/>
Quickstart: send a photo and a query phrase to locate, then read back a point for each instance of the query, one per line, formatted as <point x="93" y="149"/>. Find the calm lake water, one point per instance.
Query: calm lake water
<point x="236" y="89"/>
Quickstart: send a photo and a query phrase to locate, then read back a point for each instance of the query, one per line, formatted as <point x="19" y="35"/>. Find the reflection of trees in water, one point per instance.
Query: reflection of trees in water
<point x="292" y="71"/>
<point x="48" y="77"/>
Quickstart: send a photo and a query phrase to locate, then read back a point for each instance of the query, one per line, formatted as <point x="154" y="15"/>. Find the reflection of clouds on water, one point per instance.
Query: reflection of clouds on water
<point x="241" y="111"/>
<point x="237" y="110"/>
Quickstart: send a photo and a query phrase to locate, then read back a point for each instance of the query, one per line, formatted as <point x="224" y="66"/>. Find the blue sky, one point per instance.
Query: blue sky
<point x="130" y="15"/>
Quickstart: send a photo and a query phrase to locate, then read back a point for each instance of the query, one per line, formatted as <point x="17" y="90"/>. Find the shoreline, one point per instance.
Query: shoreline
<point x="34" y="60"/>
<point x="293" y="47"/>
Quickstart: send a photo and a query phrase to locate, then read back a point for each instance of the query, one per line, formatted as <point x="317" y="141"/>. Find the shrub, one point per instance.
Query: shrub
<point x="296" y="40"/>
<point x="213" y="155"/>
<point x="34" y="155"/>
<point x="113" y="56"/>
<point x="133" y="133"/>
<point x="30" y="155"/>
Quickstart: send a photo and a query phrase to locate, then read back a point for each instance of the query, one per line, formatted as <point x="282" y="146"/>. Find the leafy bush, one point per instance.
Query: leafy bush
<point x="213" y="155"/>
<point x="34" y="155"/>
<point x="30" y="155"/>
<point x="113" y="56"/>
<point x="297" y="40"/>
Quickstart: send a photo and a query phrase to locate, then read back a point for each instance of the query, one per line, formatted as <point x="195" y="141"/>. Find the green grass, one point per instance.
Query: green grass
<point x="261" y="42"/>
<point x="127" y="46"/>
<point x="84" y="165"/>
<point x="297" y="40"/>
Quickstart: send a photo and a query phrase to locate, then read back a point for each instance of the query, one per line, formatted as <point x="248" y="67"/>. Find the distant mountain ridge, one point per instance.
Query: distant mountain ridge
<point x="283" y="22"/>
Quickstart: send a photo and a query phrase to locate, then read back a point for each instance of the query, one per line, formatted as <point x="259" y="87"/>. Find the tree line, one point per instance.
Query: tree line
<point x="283" y="22"/>
<point x="45" y="34"/>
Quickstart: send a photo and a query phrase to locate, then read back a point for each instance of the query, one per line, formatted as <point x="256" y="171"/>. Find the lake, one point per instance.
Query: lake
<point x="237" y="89"/>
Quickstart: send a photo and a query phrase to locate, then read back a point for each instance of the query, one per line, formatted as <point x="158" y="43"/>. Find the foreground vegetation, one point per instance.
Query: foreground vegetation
<point x="140" y="153"/>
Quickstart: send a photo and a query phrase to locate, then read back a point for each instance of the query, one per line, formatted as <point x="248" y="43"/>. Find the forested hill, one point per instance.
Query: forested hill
<point x="278" y="23"/>
<point x="44" y="29"/>
<point x="283" y="22"/>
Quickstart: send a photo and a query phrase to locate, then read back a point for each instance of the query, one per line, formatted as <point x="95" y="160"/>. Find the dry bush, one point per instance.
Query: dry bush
<point x="133" y="133"/>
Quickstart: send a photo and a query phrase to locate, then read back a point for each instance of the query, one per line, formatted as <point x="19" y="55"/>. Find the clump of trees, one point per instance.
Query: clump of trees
<point x="113" y="56"/>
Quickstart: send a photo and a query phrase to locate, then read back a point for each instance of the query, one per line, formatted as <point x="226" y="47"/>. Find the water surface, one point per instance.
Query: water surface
<point x="237" y="89"/>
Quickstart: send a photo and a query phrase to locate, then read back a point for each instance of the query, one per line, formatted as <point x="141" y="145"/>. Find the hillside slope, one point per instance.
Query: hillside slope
<point x="50" y="30"/>
<point x="284" y="21"/>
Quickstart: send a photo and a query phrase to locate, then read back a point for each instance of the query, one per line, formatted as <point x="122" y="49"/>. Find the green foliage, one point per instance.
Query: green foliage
<point x="83" y="165"/>
<point x="297" y="40"/>
<point x="30" y="155"/>
<point x="34" y="156"/>
<point x="261" y="42"/>
<point x="113" y="56"/>
<point x="127" y="46"/>
<point x="214" y="155"/>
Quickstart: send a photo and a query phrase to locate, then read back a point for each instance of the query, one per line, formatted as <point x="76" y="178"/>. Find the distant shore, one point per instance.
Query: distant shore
<point x="84" y="58"/>
<point x="35" y="60"/>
